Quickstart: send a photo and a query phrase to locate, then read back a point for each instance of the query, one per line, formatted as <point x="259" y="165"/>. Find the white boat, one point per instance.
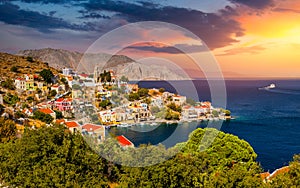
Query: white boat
<point x="271" y="86"/>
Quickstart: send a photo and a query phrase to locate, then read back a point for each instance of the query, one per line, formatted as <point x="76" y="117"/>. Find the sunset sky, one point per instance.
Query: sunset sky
<point x="249" y="38"/>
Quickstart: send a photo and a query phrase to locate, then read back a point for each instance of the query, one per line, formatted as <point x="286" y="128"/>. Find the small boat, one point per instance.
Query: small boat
<point x="271" y="86"/>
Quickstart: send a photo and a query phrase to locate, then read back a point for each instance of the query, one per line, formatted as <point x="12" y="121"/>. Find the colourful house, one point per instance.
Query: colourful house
<point x="73" y="126"/>
<point x="63" y="104"/>
<point x="96" y="131"/>
<point x="108" y="117"/>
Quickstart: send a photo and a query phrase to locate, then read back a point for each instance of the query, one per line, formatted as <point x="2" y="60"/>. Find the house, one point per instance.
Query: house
<point x="189" y="112"/>
<point x="132" y="88"/>
<point x="179" y="100"/>
<point x="63" y="104"/>
<point x="58" y="88"/>
<point x="108" y="117"/>
<point x="20" y="83"/>
<point x="48" y="111"/>
<point x="96" y="131"/>
<point x="28" y="112"/>
<point x="29" y="85"/>
<point x="124" y="142"/>
<point x="29" y="77"/>
<point x="73" y="126"/>
<point x="157" y="101"/>
<point x="83" y="76"/>
<point x="67" y="71"/>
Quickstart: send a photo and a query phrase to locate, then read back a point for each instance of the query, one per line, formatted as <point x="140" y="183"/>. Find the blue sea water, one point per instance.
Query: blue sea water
<point x="268" y="119"/>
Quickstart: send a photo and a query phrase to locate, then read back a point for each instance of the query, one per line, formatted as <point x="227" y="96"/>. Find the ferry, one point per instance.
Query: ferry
<point x="271" y="86"/>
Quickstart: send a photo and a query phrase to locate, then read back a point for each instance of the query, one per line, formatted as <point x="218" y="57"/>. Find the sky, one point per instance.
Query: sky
<point x="247" y="38"/>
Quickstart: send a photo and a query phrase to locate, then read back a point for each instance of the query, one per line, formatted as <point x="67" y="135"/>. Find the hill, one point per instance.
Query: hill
<point x="122" y="65"/>
<point x="13" y="66"/>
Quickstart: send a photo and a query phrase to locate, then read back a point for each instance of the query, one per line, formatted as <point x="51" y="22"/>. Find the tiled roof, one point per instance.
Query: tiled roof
<point x="46" y="110"/>
<point x="123" y="141"/>
<point x="71" y="124"/>
<point x="91" y="127"/>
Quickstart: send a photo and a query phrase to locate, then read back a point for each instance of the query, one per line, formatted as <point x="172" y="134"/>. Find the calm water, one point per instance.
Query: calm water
<point x="268" y="120"/>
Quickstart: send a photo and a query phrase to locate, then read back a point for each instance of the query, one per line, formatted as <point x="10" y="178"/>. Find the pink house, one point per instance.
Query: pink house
<point x="63" y="104"/>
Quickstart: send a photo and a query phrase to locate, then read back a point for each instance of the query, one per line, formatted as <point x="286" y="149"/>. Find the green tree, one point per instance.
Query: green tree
<point x="133" y="97"/>
<point x="47" y="75"/>
<point x="11" y="99"/>
<point x="105" y="76"/>
<point x="161" y="90"/>
<point x="30" y="59"/>
<point x="143" y="92"/>
<point x="8" y="84"/>
<point x="58" y="114"/>
<point x="124" y="79"/>
<point x="215" y="113"/>
<point x="53" y="93"/>
<point x="14" y="69"/>
<point x="51" y="157"/>
<point x="174" y="107"/>
<point x="8" y="130"/>
<point x="42" y="116"/>
<point x="191" y="101"/>
<point x="105" y="103"/>
<point x="290" y="178"/>
<point x="64" y="80"/>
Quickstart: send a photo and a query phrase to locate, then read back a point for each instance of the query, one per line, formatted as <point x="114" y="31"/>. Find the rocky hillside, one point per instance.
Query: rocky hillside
<point x="122" y="65"/>
<point x="13" y="66"/>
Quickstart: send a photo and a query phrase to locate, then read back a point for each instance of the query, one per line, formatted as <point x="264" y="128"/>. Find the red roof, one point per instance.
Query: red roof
<point x="91" y="127"/>
<point x="59" y="121"/>
<point x="59" y="100"/>
<point x="84" y="75"/>
<point x="46" y="110"/>
<point x="123" y="141"/>
<point x="71" y="124"/>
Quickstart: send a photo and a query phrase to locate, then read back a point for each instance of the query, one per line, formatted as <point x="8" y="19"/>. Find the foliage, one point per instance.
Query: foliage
<point x="220" y="165"/>
<point x="19" y="114"/>
<point x="154" y="109"/>
<point x="191" y="101"/>
<point x="290" y="178"/>
<point x="51" y="157"/>
<point x="58" y="114"/>
<point x="11" y="99"/>
<point x="42" y="116"/>
<point x="143" y="92"/>
<point x="105" y="76"/>
<point x="161" y="90"/>
<point x="226" y="112"/>
<point x="30" y="99"/>
<point x="53" y="93"/>
<point x="8" y="130"/>
<point x="30" y="59"/>
<point x="172" y="115"/>
<point x="64" y="80"/>
<point x="1" y="108"/>
<point x="8" y="84"/>
<point x="47" y="75"/>
<point x="105" y="103"/>
<point x="133" y="97"/>
<point x="174" y="107"/>
<point x="215" y="113"/>
<point x="124" y="79"/>
<point x="14" y="69"/>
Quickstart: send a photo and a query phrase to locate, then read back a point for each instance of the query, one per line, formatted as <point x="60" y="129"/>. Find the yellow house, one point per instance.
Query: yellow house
<point x="108" y="117"/>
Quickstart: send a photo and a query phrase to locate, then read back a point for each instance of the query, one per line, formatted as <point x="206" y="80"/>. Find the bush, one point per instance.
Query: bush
<point x="14" y="69"/>
<point x="8" y="84"/>
<point x="42" y="116"/>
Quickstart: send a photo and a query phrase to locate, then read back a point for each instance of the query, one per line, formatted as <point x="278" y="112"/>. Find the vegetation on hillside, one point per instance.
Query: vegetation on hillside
<point x="54" y="157"/>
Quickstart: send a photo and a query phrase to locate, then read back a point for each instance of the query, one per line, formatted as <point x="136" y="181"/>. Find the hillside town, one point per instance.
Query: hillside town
<point x="98" y="101"/>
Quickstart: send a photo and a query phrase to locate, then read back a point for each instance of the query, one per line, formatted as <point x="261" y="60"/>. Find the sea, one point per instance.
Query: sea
<point x="267" y="119"/>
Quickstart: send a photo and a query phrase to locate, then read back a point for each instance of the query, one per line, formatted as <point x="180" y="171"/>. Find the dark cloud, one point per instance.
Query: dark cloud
<point x="215" y="30"/>
<point x="286" y="10"/>
<point x="176" y="49"/>
<point x="12" y="14"/>
<point x="243" y="50"/>
<point x="94" y="15"/>
<point x="256" y="4"/>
